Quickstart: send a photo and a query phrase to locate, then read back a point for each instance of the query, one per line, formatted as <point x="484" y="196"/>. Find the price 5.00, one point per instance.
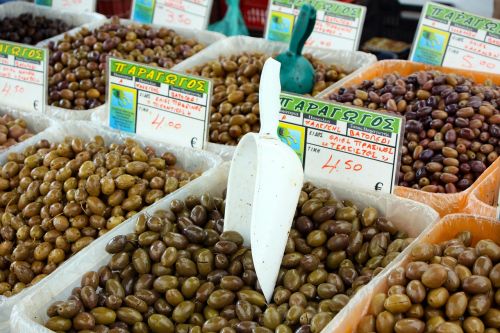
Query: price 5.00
<point x="179" y="18"/>
<point x="337" y="164"/>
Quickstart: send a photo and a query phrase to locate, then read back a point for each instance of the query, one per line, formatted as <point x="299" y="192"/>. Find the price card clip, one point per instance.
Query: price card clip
<point x="264" y="184"/>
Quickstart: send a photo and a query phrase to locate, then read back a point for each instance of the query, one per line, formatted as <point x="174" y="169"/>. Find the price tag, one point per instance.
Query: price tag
<point x="452" y="38"/>
<point x="338" y="24"/>
<point x="192" y="14"/>
<point x="23" y="76"/>
<point x="69" y="5"/>
<point x="158" y="104"/>
<point x="349" y="145"/>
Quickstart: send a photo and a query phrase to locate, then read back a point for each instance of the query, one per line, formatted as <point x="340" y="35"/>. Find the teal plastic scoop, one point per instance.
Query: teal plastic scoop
<point x="232" y="24"/>
<point x="297" y="73"/>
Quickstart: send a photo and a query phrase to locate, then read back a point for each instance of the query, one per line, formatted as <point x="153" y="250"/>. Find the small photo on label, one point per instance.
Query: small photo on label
<point x="281" y="26"/>
<point x="122" y="109"/>
<point x="144" y="10"/>
<point x="44" y="2"/>
<point x="431" y="46"/>
<point x="294" y="137"/>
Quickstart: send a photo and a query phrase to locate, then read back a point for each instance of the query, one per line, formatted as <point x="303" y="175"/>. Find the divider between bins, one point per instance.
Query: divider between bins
<point x="37" y="123"/>
<point x="481" y="200"/>
<point x="349" y="317"/>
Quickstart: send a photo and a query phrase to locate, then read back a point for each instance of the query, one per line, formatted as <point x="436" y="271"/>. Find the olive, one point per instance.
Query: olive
<point x="449" y="121"/>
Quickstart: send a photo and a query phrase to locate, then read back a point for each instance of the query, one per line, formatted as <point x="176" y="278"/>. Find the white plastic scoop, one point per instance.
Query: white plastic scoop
<point x="264" y="184"/>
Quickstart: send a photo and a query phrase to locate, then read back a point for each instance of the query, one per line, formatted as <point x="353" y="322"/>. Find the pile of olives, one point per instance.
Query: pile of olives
<point x="77" y="63"/>
<point x="452" y="287"/>
<point x="235" y="100"/>
<point x="12" y="131"/>
<point x="57" y="198"/>
<point x="179" y="272"/>
<point x="452" y="129"/>
<point x="31" y="29"/>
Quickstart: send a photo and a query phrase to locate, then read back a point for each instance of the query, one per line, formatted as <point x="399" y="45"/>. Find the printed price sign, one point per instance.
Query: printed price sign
<point x="70" y="5"/>
<point x="453" y="38"/>
<point x="193" y="14"/>
<point x="158" y="104"/>
<point x="338" y="24"/>
<point x="349" y="145"/>
<point x="23" y="76"/>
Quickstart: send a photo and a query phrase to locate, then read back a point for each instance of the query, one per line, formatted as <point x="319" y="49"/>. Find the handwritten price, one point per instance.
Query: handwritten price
<point x="469" y="61"/>
<point x="341" y="165"/>
<point x="8" y="89"/>
<point x="158" y="122"/>
<point x="67" y="3"/>
<point x="179" y="18"/>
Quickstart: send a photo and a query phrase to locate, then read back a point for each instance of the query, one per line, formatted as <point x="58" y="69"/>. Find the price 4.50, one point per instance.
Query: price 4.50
<point x="339" y="164"/>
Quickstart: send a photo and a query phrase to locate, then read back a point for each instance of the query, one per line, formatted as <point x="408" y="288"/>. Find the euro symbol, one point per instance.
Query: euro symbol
<point x="378" y="186"/>
<point x="193" y="141"/>
<point x="35" y="105"/>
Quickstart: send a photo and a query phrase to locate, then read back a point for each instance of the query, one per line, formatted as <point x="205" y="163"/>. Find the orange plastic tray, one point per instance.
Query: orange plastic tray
<point x="444" y="204"/>
<point x="482" y="200"/>
<point x="480" y="227"/>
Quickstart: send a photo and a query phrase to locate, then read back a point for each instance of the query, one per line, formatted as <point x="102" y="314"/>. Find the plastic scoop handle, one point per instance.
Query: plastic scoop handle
<point x="302" y="29"/>
<point x="269" y="92"/>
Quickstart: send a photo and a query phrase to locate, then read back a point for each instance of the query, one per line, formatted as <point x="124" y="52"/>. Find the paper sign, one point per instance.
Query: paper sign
<point x="338" y="24"/>
<point x="23" y="76"/>
<point x="452" y="38"/>
<point x="158" y="104"/>
<point x="349" y="145"/>
<point x="69" y="5"/>
<point x="193" y="14"/>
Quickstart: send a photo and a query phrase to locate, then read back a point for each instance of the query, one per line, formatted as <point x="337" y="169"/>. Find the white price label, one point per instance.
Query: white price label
<point x="69" y="5"/>
<point x="452" y="38"/>
<point x="354" y="146"/>
<point x="338" y="25"/>
<point x="158" y="104"/>
<point x="193" y="14"/>
<point x="23" y="76"/>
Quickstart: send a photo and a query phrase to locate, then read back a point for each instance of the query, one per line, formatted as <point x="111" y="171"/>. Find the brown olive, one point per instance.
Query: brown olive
<point x="448" y="289"/>
<point x="62" y="206"/>
<point x="77" y="79"/>
<point x="235" y="108"/>
<point x="178" y="272"/>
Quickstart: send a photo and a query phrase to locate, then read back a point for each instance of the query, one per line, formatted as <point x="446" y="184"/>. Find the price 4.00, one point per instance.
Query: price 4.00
<point x="159" y="121"/>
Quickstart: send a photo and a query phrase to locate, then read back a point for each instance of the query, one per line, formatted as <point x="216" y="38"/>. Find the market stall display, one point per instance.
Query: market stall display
<point x="78" y="59"/>
<point x="58" y="195"/>
<point x="452" y="123"/>
<point x="26" y="23"/>
<point x="386" y="223"/>
<point x="323" y="222"/>
<point x="466" y="300"/>
<point x="235" y="63"/>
